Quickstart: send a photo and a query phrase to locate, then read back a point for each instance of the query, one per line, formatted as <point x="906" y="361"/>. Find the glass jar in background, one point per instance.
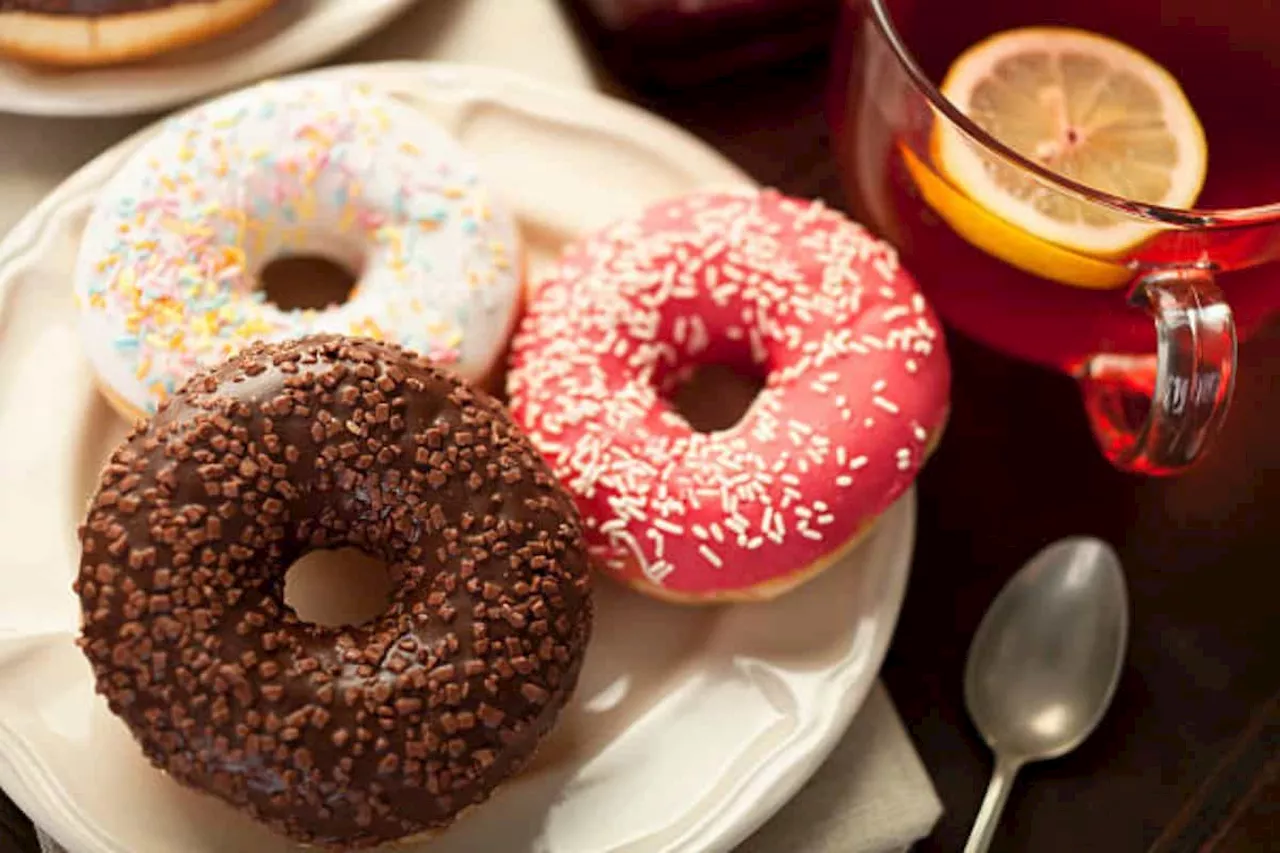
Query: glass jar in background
<point x="655" y="44"/>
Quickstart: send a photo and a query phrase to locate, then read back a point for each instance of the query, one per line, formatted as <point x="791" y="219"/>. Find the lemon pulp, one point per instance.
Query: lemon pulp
<point x="1083" y="106"/>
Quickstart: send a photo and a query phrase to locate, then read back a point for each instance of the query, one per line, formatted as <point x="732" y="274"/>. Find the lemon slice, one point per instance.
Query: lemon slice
<point x="1086" y="107"/>
<point x="1007" y="242"/>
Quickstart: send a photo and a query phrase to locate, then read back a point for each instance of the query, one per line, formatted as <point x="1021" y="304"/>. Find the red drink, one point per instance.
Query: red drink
<point x="891" y="57"/>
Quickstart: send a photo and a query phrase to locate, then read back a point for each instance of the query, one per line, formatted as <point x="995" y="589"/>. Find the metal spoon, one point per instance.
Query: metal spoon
<point x="1044" y="663"/>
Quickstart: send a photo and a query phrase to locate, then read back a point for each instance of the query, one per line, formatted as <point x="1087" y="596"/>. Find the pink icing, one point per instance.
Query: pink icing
<point x="856" y="387"/>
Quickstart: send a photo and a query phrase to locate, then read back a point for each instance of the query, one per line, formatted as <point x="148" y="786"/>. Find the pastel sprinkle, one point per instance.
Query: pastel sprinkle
<point x="176" y="241"/>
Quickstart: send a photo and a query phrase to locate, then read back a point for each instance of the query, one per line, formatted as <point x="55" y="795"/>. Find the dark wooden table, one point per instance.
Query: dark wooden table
<point x="1189" y="757"/>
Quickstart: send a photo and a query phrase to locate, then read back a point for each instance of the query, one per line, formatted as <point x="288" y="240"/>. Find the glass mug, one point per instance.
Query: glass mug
<point x="1149" y="333"/>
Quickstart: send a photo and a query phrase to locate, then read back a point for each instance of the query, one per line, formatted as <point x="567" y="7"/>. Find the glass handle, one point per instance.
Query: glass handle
<point x="1157" y="414"/>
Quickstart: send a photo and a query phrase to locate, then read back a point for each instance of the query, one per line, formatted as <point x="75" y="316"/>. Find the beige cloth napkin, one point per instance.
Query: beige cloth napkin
<point x="873" y="795"/>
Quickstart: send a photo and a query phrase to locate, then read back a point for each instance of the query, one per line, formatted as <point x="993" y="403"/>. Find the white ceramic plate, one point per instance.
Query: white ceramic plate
<point x="294" y="34"/>
<point x="691" y="726"/>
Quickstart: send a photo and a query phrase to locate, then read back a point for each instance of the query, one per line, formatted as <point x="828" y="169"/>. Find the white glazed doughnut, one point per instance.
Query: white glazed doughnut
<point x="167" y="276"/>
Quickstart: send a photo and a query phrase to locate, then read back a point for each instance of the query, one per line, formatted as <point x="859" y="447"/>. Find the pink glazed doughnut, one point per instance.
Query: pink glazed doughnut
<point x="855" y="395"/>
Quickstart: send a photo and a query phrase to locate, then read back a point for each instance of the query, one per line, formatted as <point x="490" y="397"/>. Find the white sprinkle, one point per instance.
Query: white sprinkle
<point x="844" y="481"/>
<point x="808" y="533"/>
<point x="826" y="518"/>
<point x="658" y="542"/>
<point x="698" y="338"/>
<point x="759" y="354"/>
<point x="667" y="527"/>
<point x="710" y="556"/>
<point x="884" y="267"/>
<point x="887" y="405"/>
<point x="857" y="462"/>
<point x="878" y="386"/>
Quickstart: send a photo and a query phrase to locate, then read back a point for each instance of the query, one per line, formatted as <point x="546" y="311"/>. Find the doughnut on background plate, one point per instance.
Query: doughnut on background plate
<point x="690" y="727"/>
<point x="291" y="34"/>
<point x="89" y="41"/>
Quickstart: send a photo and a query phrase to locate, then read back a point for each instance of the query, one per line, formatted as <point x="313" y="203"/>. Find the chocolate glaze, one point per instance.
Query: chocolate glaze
<point x="338" y="736"/>
<point x="91" y="8"/>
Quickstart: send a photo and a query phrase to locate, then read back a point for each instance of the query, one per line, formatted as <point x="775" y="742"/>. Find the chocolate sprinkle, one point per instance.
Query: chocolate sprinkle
<point x="346" y="736"/>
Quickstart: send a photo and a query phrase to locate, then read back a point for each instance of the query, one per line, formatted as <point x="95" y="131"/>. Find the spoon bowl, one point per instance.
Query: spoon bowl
<point x="1045" y="661"/>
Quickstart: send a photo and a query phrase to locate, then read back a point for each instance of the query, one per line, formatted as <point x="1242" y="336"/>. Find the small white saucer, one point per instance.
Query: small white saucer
<point x="293" y="34"/>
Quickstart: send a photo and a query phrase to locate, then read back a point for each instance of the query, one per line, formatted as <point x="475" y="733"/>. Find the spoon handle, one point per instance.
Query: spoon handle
<point x="984" y="827"/>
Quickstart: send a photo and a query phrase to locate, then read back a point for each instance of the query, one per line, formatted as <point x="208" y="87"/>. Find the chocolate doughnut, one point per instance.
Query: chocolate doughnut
<point x="341" y="736"/>
<point x="104" y="32"/>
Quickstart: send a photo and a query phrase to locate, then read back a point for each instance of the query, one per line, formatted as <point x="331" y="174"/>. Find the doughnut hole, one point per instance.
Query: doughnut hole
<point x="714" y="397"/>
<point x="308" y="280"/>
<point x="714" y="391"/>
<point x="337" y="588"/>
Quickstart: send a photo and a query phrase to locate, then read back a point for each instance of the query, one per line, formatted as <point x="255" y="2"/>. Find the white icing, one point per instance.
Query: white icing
<point x="167" y="272"/>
